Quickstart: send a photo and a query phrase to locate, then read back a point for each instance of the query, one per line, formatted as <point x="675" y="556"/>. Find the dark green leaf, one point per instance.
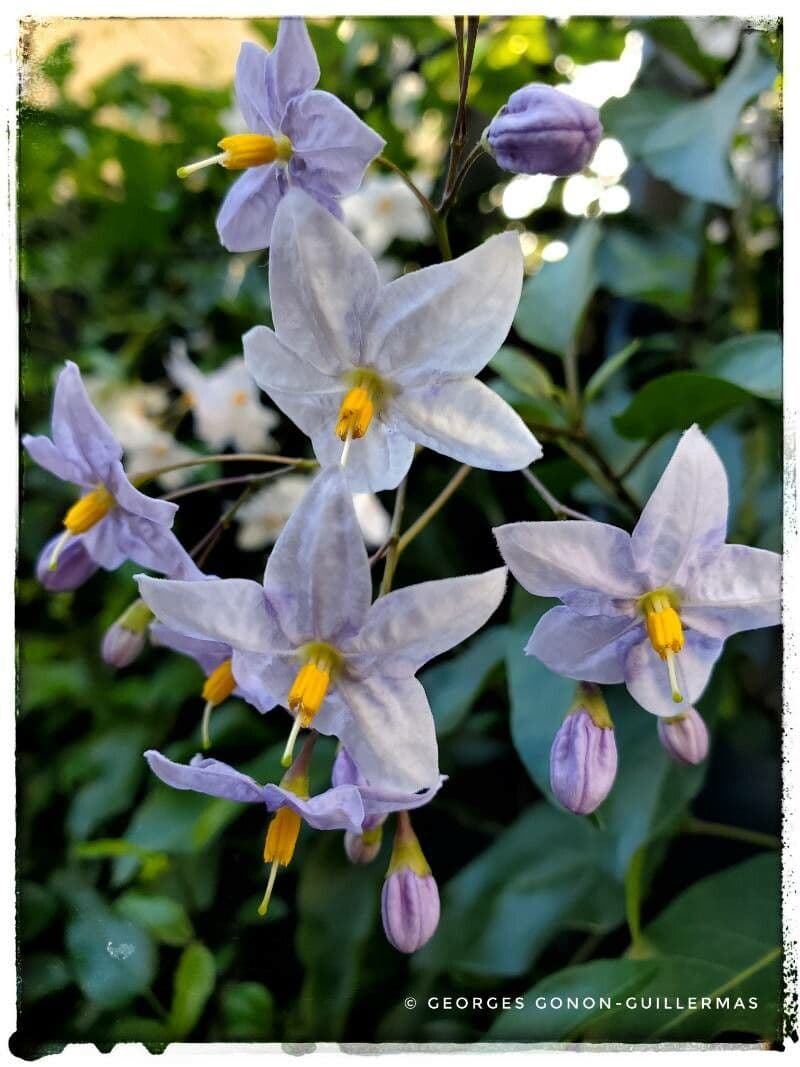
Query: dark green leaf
<point x="522" y="371"/>
<point x="112" y="959"/>
<point x="162" y="916"/>
<point x="608" y="368"/>
<point x="454" y="686"/>
<point x="752" y="361"/>
<point x="674" y="402"/>
<point x="247" y="1011"/>
<point x="193" y="984"/>
<point x="41" y="974"/>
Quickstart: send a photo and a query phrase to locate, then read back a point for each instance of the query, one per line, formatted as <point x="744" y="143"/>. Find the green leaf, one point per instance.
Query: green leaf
<point x="752" y="362"/>
<point x="549" y="867"/>
<point x="163" y="917"/>
<point x="337" y="902"/>
<point x="42" y="973"/>
<point x="193" y="984"/>
<point x="112" y="959"/>
<point x="608" y="368"/>
<point x="522" y="371"/>
<point x="674" y="34"/>
<point x="674" y="402"/>
<point x="36" y="908"/>
<point x="721" y="939"/>
<point x="247" y="1011"/>
<point x="658" y="267"/>
<point x="553" y="301"/>
<point x="690" y="149"/>
<point x="631" y="118"/>
<point x="454" y="686"/>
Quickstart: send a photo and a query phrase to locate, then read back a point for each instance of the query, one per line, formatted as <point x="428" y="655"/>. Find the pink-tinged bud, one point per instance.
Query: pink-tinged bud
<point x="542" y="130"/>
<point x="74" y="566"/>
<point x="410" y="896"/>
<point x="685" y="737"/>
<point x="583" y="760"/>
<point x="363" y="847"/>
<point x="124" y="640"/>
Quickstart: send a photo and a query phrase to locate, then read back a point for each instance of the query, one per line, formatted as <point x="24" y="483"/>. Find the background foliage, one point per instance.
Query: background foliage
<point x="137" y="904"/>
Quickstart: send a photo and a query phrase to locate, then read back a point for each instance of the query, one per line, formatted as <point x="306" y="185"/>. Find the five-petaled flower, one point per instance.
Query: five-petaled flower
<point x="311" y="640"/>
<point x="342" y="807"/>
<point x="114" y="521"/>
<point x="385" y="367"/>
<point x="298" y="136"/>
<point x="652" y="609"/>
<point x="225" y="403"/>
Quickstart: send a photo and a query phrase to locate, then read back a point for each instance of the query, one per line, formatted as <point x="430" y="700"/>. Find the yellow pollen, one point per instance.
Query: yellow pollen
<point x="309" y="689"/>
<point x="89" y="510"/>
<point x="239" y="398"/>
<point x="220" y="684"/>
<point x="243" y="150"/>
<point x="355" y="414"/>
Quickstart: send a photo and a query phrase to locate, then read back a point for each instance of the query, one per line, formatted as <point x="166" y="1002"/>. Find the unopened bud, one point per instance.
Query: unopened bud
<point x="124" y="640"/>
<point x="74" y="566"/>
<point x="685" y="737"/>
<point x="542" y="130"/>
<point x="583" y="758"/>
<point x="363" y="847"/>
<point x="410" y="896"/>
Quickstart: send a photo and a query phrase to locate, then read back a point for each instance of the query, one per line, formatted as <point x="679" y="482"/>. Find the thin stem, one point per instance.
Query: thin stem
<point x="610" y="486"/>
<point x="430" y="210"/>
<point x="225" y="457"/>
<point x="561" y="511"/>
<point x="732" y="833"/>
<point x="460" y="123"/>
<point x="637" y="458"/>
<point x="433" y="508"/>
<point x="204" y="546"/>
<point x="572" y="380"/>
<point x="465" y="168"/>
<point x="392" y="550"/>
<point x="221" y="483"/>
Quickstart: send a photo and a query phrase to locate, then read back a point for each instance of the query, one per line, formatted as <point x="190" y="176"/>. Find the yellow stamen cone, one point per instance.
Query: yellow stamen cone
<point x="355" y="414"/>
<point x="88" y="511"/>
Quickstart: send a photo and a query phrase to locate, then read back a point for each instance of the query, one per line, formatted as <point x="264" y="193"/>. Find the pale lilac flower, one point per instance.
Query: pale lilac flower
<point x="225" y="403"/>
<point x="264" y="515"/>
<point x="410" y="896"/>
<point x="684" y="737"/>
<point x="382" y="368"/>
<point x="299" y="136"/>
<point x="311" y="639"/>
<point x="124" y="640"/>
<point x="583" y="762"/>
<point x="543" y="131"/>
<point x="115" y="522"/>
<point x="383" y="209"/>
<point x="652" y="609"/>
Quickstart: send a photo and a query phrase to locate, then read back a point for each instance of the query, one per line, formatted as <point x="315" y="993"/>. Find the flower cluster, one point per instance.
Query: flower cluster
<point x="370" y="373"/>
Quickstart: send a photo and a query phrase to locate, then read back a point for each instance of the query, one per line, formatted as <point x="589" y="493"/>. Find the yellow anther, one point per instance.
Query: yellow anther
<point x="220" y="684"/>
<point x="243" y="150"/>
<point x="89" y="510"/>
<point x="355" y="414"/>
<point x="663" y="624"/>
<point x="282" y="837"/>
<point x="309" y="689"/>
<point x="239" y="398"/>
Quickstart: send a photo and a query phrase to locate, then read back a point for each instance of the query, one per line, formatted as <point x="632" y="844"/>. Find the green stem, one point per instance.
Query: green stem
<point x="226" y="457"/>
<point x="205" y="545"/>
<point x="392" y="550"/>
<point x="465" y="168"/>
<point x="561" y="511"/>
<point x="731" y="833"/>
<point x="587" y="460"/>
<point x="221" y="483"/>
<point x="433" y="508"/>
<point x="637" y="458"/>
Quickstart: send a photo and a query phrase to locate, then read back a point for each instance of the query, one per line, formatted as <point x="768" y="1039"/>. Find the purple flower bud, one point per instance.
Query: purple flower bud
<point x="583" y="762"/>
<point x="685" y="737"/>
<point x="543" y="131"/>
<point x="124" y="640"/>
<point x="410" y="896"/>
<point x="364" y="847"/>
<point x="410" y="909"/>
<point x="73" y="567"/>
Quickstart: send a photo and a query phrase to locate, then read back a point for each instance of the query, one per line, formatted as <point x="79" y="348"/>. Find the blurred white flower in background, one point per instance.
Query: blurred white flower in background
<point x="595" y="83"/>
<point x="264" y="515"/>
<point x="383" y="209"/>
<point x="225" y="402"/>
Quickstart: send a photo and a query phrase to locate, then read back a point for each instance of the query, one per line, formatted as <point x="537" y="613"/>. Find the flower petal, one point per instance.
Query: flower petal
<point x="304" y="393"/>
<point x="449" y="319"/>
<point x="381" y="801"/>
<point x="79" y="433"/>
<point x="159" y="512"/>
<point x="322" y="282"/>
<point x="246" y="218"/>
<point x="465" y="419"/>
<point x="42" y="451"/>
<point x="684" y="522"/>
<point x="209" y="776"/>
<point x="408" y="627"/>
<point x="387" y="726"/>
<point x="377" y="461"/>
<point x="232" y="610"/>
<point x="317" y="576"/>
<point x="292" y="67"/>
<point x="340" y="808"/>
<point x="209" y="654"/>
<point x="329" y="140"/>
<point x="588" y="565"/>
<point x="740" y="589"/>
<point x="647" y="680"/>
<point x="588" y="648"/>
<point x="257" y="108"/>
